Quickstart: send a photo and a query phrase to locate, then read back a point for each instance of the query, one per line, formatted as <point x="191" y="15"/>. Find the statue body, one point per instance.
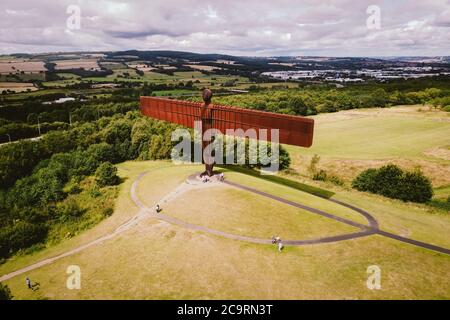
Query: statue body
<point x="206" y="116"/>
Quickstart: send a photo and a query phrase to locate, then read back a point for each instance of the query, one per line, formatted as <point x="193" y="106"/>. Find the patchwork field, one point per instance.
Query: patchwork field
<point x="141" y="67"/>
<point x="21" y="65"/>
<point x="201" y="67"/>
<point x="17" y="86"/>
<point x="87" y="64"/>
<point x="158" y="260"/>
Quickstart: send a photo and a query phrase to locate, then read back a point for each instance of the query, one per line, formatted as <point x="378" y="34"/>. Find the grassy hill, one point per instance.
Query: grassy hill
<point x="158" y="260"/>
<point x="353" y="140"/>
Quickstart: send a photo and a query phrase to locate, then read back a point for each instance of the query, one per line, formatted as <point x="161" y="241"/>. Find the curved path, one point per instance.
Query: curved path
<point x="194" y="182"/>
<point x="372" y="228"/>
<point x="146" y="212"/>
<point x="366" y="230"/>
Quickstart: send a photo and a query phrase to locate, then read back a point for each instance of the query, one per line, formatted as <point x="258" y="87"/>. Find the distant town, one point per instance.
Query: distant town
<point x="345" y="75"/>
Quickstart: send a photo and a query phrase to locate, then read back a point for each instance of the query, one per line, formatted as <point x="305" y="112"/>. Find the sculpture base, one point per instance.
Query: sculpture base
<point x="208" y="170"/>
<point x="198" y="179"/>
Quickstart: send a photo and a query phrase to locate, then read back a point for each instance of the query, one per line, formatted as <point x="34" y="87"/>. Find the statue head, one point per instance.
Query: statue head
<point x="207" y="96"/>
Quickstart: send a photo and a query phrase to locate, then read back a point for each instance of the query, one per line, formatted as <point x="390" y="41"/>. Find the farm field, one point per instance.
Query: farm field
<point x="87" y="64"/>
<point x="169" y="261"/>
<point x="17" y="87"/>
<point x="21" y="65"/>
<point x="199" y="79"/>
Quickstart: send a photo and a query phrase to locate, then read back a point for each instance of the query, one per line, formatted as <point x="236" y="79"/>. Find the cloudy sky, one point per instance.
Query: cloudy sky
<point x="250" y="27"/>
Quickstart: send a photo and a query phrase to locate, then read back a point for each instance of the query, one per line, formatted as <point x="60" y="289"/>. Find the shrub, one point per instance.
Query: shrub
<point x="5" y="292"/>
<point x="321" y="175"/>
<point x="312" y="168"/>
<point x="391" y="181"/>
<point x="106" y="175"/>
<point x="69" y="209"/>
<point x="102" y="152"/>
<point x="19" y="236"/>
<point x="107" y="212"/>
<point x="285" y="158"/>
<point x="94" y="192"/>
<point x="336" y="180"/>
<point x="73" y="186"/>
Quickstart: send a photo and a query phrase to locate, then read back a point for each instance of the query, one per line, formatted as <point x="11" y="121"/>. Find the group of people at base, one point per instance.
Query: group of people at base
<point x="205" y="178"/>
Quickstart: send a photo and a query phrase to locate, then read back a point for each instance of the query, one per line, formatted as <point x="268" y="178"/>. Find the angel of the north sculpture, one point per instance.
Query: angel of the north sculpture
<point x="293" y="130"/>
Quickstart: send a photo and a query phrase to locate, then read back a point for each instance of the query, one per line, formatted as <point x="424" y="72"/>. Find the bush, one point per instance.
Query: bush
<point x="94" y="192"/>
<point x="312" y="167"/>
<point x="391" y="181"/>
<point x="106" y="175"/>
<point x="102" y="152"/>
<point x="335" y="180"/>
<point x="320" y="175"/>
<point x="20" y="236"/>
<point x="69" y="209"/>
<point x="73" y="186"/>
<point x="5" y="293"/>
<point x="365" y="181"/>
<point x="107" y="212"/>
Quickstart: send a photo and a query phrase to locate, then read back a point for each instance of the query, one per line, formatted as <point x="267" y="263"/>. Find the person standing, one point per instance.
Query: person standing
<point x="280" y="246"/>
<point x="28" y="283"/>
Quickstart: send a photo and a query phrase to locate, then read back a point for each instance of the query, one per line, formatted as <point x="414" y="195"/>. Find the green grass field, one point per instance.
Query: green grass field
<point x="351" y="141"/>
<point x="157" y="260"/>
<point x="200" y="80"/>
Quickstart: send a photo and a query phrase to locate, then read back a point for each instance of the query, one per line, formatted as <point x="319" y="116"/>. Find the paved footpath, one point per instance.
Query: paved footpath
<point x="372" y="228"/>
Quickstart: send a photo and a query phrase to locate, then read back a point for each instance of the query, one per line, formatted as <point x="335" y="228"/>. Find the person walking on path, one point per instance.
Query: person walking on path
<point x="274" y="240"/>
<point x="280" y="246"/>
<point x="28" y="283"/>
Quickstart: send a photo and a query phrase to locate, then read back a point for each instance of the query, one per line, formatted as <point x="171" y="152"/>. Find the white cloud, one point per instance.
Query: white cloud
<point x="253" y="27"/>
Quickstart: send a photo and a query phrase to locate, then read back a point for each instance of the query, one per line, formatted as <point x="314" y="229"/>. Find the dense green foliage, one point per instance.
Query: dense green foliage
<point x="16" y="131"/>
<point x="5" y="292"/>
<point x="106" y="175"/>
<point x="37" y="176"/>
<point x="316" y="99"/>
<point x="391" y="181"/>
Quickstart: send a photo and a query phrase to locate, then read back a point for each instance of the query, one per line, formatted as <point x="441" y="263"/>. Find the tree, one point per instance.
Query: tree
<point x="298" y="106"/>
<point x="106" y="175"/>
<point x="102" y="152"/>
<point x="5" y="292"/>
<point x="20" y="235"/>
<point x="391" y="181"/>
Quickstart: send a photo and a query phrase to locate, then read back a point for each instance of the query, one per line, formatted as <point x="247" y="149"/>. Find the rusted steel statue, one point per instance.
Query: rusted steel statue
<point x="206" y="116"/>
<point x="293" y="130"/>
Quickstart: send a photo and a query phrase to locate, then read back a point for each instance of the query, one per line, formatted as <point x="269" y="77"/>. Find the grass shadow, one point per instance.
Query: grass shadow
<point x="282" y="181"/>
<point x="439" y="204"/>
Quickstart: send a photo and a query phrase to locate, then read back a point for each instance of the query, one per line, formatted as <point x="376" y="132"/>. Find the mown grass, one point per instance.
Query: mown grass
<point x="283" y="181"/>
<point x="244" y="213"/>
<point x="349" y="142"/>
<point x="156" y="260"/>
<point x="372" y="135"/>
